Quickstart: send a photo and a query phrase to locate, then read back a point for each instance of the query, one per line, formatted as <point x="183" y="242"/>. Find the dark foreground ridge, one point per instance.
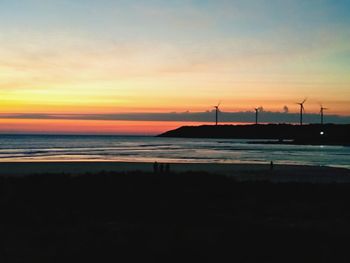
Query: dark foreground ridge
<point x="170" y="217"/>
<point x="333" y="134"/>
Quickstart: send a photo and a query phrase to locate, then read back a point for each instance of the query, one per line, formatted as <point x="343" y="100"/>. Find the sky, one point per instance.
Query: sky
<point x="145" y="58"/>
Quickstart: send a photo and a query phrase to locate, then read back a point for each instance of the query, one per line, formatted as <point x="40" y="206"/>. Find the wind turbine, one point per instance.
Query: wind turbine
<point x="256" y="115"/>
<point x="322" y="111"/>
<point x="217" y="112"/>
<point x="302" y="110"/>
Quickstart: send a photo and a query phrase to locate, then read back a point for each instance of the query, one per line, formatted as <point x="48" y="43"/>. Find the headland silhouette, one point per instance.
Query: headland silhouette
<point x="314" y="134"/>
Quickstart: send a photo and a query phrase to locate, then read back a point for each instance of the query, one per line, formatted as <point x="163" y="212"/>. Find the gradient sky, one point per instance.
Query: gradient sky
<point x="105" y="57"/>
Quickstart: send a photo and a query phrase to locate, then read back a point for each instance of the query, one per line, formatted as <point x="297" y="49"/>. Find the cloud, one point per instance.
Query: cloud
<point x="238" y="49"/>
<point x="208" y="116"/>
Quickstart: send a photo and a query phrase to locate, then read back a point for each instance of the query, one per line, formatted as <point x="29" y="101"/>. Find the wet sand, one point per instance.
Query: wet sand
<point x="250" y="172"/>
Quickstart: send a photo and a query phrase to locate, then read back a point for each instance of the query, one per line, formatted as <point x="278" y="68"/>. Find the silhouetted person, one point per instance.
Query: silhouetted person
<point x="161" y="168"/>
<point x="155" y="167"/>
<point x="271" y="165"/>
<point x="167" y="168"/>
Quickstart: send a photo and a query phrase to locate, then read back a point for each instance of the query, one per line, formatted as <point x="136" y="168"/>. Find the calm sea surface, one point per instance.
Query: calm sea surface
<point x="150" y="149"/>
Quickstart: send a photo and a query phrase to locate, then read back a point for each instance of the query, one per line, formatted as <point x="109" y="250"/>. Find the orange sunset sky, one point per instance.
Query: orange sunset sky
<point x="106" y="57"/>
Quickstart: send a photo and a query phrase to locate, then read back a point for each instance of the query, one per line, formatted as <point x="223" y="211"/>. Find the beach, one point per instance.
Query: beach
<point x="243" y="172"/>
<point x="69" y="212"/>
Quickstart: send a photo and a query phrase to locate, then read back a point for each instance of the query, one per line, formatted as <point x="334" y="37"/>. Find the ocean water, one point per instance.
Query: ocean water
<point x="14" y="148"/>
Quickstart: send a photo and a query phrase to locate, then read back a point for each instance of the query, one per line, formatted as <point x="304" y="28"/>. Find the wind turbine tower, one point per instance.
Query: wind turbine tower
<point x="256" y="115"/>
<point x="302" y="110"/>
<point x="217" y="113"/>
<point x="322" y="113"/>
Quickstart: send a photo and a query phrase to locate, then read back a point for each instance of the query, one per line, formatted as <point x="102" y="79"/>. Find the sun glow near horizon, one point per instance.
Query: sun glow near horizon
<point x="156" y="56"/>
<point x="87" y="127"/>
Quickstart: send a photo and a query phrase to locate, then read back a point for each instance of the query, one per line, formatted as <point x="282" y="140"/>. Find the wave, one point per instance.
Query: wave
<point x="39" y="148"/>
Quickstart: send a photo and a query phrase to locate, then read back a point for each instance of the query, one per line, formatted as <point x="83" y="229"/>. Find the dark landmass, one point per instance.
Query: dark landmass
<point x="327" y="134"/>
<point x="201" y="217"/>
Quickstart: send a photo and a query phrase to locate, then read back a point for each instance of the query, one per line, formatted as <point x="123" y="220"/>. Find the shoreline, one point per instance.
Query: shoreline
<point x="242" y="172"/>
<point x="276" y="142"/>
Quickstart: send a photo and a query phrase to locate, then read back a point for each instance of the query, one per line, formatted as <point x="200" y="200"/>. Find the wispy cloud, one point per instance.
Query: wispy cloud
<point x="208" y="116"/>
<point x="175" y="53"/>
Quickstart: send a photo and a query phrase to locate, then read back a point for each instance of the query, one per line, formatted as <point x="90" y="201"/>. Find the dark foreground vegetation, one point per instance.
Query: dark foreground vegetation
<point x="171" y="218"/>
<point x="332" y="134"/>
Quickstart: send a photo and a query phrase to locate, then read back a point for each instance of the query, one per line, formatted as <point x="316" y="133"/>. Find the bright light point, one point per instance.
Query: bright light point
<point x="321" y="133"/>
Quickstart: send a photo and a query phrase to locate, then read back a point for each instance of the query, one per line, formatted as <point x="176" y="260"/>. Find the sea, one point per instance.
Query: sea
<point x="57" y="148"/>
